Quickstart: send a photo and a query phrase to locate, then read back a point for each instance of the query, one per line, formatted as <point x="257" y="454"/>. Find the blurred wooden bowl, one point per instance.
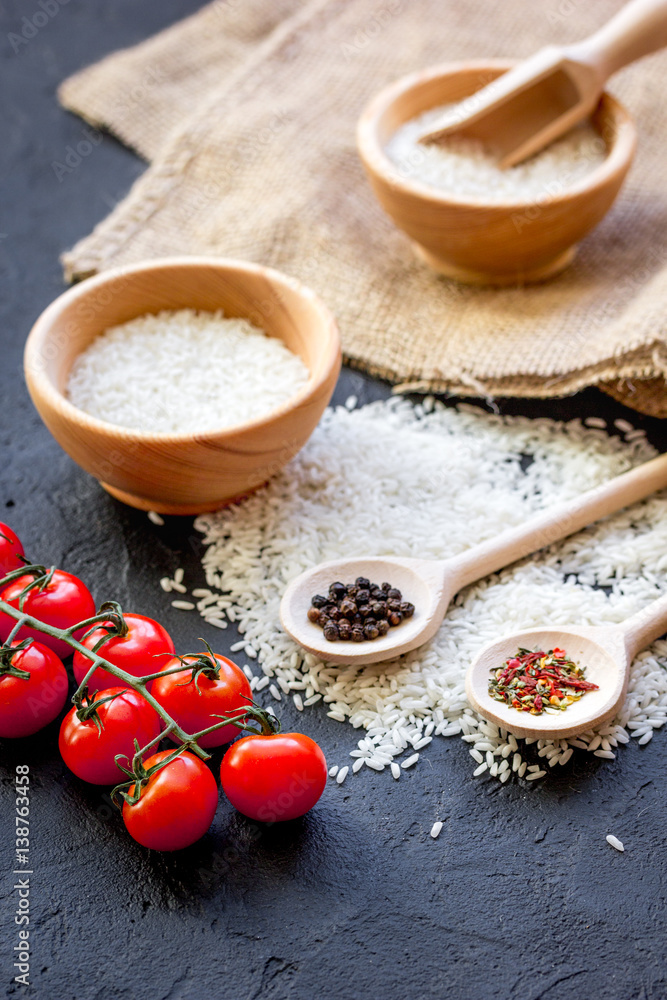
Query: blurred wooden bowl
<point x="183" y="473"/>
<point x="466" y="238"/>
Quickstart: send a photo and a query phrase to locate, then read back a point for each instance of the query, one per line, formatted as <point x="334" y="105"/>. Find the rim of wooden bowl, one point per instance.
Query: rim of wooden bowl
<point x="371" y="150"/>
<point x="40" y="384"/>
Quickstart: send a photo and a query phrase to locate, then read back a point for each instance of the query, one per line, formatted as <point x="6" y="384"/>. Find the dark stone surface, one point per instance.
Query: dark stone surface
<point x="519" y="898"/>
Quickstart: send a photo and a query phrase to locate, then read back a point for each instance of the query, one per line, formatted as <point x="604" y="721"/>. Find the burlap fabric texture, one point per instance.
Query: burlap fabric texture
<point x="247" y="111"/>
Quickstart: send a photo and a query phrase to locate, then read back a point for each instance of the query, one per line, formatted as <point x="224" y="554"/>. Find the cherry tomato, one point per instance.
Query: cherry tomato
<point x="89" y="751"/>
<point x="194" y="705"/>
<point x="142" y="651"/>
<point x="10" y="550"/>
<point x="62" y="603"/>
<point x="273" y="777"/>
<point x="177" y="805"/>
<point x="27" y="705"/>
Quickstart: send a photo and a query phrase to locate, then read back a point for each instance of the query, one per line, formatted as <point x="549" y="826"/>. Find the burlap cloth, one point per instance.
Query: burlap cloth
<point x="247" y="110"/>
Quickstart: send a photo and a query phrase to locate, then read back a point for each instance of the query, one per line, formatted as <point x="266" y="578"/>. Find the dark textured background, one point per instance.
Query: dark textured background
<point x="520" y="897"/>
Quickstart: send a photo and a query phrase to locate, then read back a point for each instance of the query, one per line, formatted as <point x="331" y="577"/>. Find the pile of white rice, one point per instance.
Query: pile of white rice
<point x="430" y="481"/>
<point x="184" y="372"/>
<point x="462" y="166"/>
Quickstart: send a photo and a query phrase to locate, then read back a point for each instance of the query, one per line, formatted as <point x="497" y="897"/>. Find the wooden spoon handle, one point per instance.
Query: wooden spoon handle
<point x="560" y="521"/>
<point x="638" y="29"/>
<point x="644" y="627"/>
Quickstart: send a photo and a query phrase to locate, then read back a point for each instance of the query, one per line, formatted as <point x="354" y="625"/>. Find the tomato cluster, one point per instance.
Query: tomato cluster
<point x="171" y="796"/>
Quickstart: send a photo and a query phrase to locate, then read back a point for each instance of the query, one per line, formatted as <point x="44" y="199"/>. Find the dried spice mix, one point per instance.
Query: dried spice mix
<point x="539" y="682"/>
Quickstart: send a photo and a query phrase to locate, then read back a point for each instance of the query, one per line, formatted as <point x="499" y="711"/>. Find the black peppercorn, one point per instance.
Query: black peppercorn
<point x="359" y="611"/>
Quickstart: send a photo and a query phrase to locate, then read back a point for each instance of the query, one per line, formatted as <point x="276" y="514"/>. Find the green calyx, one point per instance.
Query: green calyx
<point x="138" y="775"/>
<point x="269" y="724"/>
<point x="87" y="709"/>
<point x="41" y="579"/>
<point x="7" y="653"/>
<point x="201" y="665"/>
<point x="113" y="625"/>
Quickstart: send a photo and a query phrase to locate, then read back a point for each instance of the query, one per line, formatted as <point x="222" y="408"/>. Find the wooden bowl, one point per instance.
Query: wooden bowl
<point x="487" y="242"/>
<point x="183" y="473"/>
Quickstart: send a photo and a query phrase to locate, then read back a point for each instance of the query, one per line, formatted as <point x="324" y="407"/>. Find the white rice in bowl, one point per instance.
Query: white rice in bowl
<point x="184" y="372"/>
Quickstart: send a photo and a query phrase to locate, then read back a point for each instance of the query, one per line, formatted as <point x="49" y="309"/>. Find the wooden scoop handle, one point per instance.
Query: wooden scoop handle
<point x="560" y="521"/>
<point x="645" y="627"/>
<point x="638" y="29"/>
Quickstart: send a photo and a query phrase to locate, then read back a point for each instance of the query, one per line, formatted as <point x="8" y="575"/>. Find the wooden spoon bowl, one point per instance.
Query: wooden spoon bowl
<point x="183" y="473"/>
<point x="487" y="242"/>
<point x="606" y="652"/>
<point x="428" y="584"/>
<point x="605" y="666"/>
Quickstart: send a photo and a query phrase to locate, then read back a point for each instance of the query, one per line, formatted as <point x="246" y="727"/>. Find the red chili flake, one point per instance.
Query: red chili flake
<point x="531" y="679"/>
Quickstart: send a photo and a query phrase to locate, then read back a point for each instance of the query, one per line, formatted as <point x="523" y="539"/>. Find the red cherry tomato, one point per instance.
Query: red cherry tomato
<point x="177" y="805"/>
<point x="62" y="603"/>
<point x="27" y="705"/>
<point x="10" y="550"/>
<point x="142" y="651"/>
<point x="195" y="705"/>
<point x="273" y="777"/>
<point x="90" y="752"/>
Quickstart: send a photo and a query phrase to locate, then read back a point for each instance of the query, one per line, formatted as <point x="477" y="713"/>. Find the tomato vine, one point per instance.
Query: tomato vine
<point x="110" y="617"/>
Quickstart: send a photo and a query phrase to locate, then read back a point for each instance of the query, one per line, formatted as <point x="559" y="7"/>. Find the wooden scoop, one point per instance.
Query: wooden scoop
<point x="430" y="584"/>
<point x="542" y="98"/>
<point x="605" y="651"/>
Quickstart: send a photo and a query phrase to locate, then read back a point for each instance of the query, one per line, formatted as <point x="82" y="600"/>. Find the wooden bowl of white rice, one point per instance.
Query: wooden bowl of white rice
<point x="468" y="219"/>
<point x="185" y="383"/>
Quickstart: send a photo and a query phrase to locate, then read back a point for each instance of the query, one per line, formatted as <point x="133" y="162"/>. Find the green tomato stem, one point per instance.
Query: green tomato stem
<point x="136" y="683"/>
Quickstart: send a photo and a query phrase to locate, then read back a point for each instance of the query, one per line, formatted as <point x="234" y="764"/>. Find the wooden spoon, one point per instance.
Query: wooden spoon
<point x="430" y="584"/>
<point x="606" y="651"/>
<point x="542" y="98"/>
